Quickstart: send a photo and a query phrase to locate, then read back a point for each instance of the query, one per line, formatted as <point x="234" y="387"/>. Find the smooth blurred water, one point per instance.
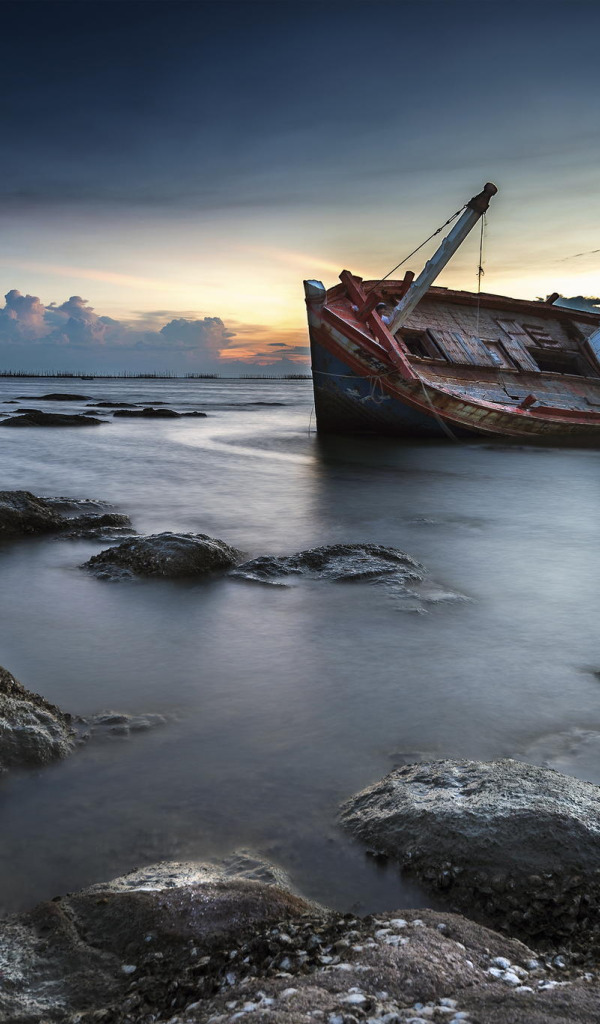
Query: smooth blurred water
<point x="286" y="700"/>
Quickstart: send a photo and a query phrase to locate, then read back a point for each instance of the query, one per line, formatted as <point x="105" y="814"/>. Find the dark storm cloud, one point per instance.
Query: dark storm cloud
<point x="236" y="105"/>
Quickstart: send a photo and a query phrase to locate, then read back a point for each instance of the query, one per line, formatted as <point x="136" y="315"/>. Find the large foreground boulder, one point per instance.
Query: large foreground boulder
<point x="164" y="554"/>
<point x="514" y="844"/>
<point x="22" y="513"/>
<point x="200" y="943"/>
<point x="33" y="732"/>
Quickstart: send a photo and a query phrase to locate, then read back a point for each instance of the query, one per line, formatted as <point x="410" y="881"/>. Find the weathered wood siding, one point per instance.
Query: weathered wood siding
<point x="457" y="330"/>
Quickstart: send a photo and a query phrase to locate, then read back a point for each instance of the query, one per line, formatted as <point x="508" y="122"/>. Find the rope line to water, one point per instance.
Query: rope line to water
<point x="441" y="422"/>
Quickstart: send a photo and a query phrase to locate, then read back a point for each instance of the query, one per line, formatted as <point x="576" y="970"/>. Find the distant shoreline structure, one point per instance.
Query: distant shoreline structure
<point x="150" y="376"/>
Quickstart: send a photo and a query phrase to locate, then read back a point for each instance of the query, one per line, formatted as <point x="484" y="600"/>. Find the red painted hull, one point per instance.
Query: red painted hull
<point x="362" y="384"/>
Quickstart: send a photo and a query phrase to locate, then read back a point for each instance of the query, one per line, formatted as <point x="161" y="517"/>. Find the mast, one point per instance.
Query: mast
<point x="476" y="207"/>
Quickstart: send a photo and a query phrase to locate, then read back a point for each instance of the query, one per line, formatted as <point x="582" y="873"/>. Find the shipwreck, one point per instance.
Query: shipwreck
<point x="404" y="357"/>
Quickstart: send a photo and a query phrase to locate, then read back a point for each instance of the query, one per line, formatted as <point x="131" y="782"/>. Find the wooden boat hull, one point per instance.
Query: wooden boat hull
<point x="356" y="390"/>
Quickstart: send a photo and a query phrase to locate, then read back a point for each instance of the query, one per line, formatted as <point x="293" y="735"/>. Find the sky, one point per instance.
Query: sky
<point x="171" y="171"/>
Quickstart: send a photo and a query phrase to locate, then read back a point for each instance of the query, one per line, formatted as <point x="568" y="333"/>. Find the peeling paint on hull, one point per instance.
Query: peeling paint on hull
<point x="358" y="389"/>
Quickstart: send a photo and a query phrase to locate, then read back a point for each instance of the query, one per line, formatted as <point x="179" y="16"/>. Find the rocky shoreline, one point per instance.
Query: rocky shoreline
<point x="214" y="944"/>
<point x="512" y="851"/>
<point x="513" y="845"/>
<point x="26" y="417"/>
<point x="189" y="943"/>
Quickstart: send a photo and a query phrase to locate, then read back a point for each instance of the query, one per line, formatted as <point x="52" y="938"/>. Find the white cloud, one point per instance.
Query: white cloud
<point x="71" y="335"/>
<point x="25" y="320"/>
<point x="209" y="334"/>
<point x="22" y="318"/>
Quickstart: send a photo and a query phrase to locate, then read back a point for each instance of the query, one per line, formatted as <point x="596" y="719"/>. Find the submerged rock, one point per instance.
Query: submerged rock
<point x="339" y="562"/>
<point x="151" y="413"/>
<point x="35" y="418"/>
<point x="106" y="525"/>
<point x="405" y="579"/>
<point x="110" y="724"/>
<point x="33" y="732"/>
<point x="203" y="943"/>
<point x="64" y="396"/>
<point x="164" y="554"/>
<point x="22" y="512"/>
<point x="148" y="413"/>
<point x="113" y="405"/>
<point x="514" y="844"/>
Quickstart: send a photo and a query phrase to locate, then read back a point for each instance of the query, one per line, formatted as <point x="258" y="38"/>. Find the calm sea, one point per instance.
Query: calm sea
<point x="285" y="701"/>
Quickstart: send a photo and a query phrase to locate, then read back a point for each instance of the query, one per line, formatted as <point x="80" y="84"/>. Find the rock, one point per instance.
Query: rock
<point x="512" y="844"/>
<point x="338" y="562"/>
<point x="33" y="732"/>
<point x="65" y="396"/>
<point x="108" y="724"/>
<point x="104" y="526"/>
<point x="405" y="579"/>
<point x="113" y="405"/>
<point x="22" y="512"/>
<point x="35" y="418"/>
<point x="151" y="413"/>
<point x="206" y="943"/>
<point x="148" y="413"/>
<point x="67" y="956"/>
<point x="164" y="554"/>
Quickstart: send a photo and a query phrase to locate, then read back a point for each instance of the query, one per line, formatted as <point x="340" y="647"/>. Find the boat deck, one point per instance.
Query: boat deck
<point x="580" y="394"/>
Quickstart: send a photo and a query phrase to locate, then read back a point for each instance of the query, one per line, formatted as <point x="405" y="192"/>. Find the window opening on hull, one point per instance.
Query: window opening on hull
<point x="560" y="361"/>
<point x="420" y="344"/>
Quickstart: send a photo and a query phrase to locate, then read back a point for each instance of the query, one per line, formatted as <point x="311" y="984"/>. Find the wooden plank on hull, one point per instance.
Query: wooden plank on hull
<point x="380" y="332"/>
<point x="515" y="344"/>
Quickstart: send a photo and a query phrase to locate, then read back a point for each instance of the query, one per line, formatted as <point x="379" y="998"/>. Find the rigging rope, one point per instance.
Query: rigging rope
<point x="480" y="272"/>
<point x="439" y="419"/>
<point x="411" y="254"/>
